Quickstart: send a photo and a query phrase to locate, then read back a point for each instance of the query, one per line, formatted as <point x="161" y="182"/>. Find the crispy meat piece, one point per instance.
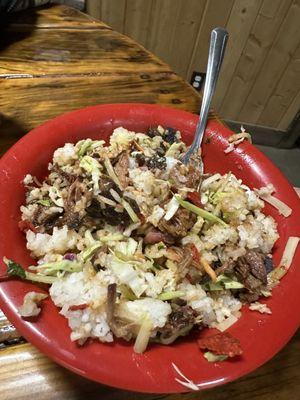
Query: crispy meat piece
<point x="121" y="169"/>
<point x="180" y="322"/>
<point x="251" y="271"/>
<point x="105" y="185"/>
<point x="222" y="343"/>
<point x="151" y="132"/>
<point x="179" y="225"/>
<point x="107" y="214"/>
<point x="256" y="261"/>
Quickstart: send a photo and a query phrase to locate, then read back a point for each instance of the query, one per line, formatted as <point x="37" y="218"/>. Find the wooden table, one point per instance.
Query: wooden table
<point x="54" y="60"/>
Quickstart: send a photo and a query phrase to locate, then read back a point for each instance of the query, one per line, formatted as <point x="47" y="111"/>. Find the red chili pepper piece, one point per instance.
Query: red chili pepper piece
<point x="25" y="225"/>
<point x="194" y="197"/>
<point x="195" y="252"/>
<point x="78" y="307"/>
<point x="142" y="218"/>
<point x="222" y="344"/>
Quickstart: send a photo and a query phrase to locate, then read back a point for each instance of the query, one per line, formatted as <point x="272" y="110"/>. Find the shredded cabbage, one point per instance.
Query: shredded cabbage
<point x="111" y="172"/>
<point x="127" y="275"/>
<point x="90" y="251"/>
<point x="143" y="336"/>
<point x="93" y="167"/>
<point x="52" y="268"/>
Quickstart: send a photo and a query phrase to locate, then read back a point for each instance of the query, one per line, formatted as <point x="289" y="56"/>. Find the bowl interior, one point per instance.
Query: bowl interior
<point x="116" y="364"/>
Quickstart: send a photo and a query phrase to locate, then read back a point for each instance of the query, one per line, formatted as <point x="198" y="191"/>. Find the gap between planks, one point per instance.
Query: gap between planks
<point x="87" y="74"/>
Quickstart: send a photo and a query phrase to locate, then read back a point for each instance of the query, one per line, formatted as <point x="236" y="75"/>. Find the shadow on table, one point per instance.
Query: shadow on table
<point x="16" y="26"/>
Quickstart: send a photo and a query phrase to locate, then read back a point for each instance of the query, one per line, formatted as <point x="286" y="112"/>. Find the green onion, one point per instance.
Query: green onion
<point x="112" y="237"/>
<point x="211" y="286"/>
<point x="15" y="269"/>
<point x="45" y="203"/>
<point x="171" y="295"/>
<point x="111" y="172"/>
<point x="53" y="267"/>
<point x="211" y="357"/>
<point x="199" y="211"/>
<point x="127" y="293"/>
<point x="223" y="283"/>
<point x="86" y="254"/>
<point x="130" y="211"/>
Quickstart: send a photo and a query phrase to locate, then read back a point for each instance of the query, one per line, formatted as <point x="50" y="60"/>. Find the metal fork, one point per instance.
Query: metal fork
<point x="218" y="40"/>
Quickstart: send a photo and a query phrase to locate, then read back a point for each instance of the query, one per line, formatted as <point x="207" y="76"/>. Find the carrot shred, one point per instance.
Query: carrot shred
<point x="78" y="307"/>
<point x="138" y="147"/>
<point x="208" y="269"/>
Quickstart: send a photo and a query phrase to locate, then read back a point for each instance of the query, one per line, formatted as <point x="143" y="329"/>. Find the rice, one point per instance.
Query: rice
<point x="134" y="252"/>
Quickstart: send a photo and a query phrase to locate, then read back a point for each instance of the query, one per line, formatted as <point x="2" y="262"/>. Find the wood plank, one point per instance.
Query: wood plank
<point x="258" y="44"/>
<point x="163" y="15"/>
<point x="93" y="8"/>
<point x="60" y="16"/>
<point x="25" y="373"/>
<point x="283" y="95"/>
<point x="137" y="19"/>
<point x="239" y="25"/>
<point x="112" y="13"/>
<point x="286" y="42"/>
<point x="40" y="99"/>
<point x="210" y="20"/>
<point x="290" y="113"/>
<point x="187" y="26"/>
<point x="74" y="51"/>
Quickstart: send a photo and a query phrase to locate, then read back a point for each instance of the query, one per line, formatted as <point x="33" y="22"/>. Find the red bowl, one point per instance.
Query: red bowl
<point x="116" y="364"/>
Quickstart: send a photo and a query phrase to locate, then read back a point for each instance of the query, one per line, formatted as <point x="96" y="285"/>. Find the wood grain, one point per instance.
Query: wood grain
<point x="250" y="62"/>
<point x="178" y="32"/>
<point x="284" y="93"/>
<point x="26" y="373"/>
<point x="290" y="113"/>
<point x="137" y="19"/>
<point x="277" y="60"/>
<point x="59" y="17"/>
<point x="72" y="51"/>
<point x="239" y="24"/>
<point x="40" y="99"/>
<point x="115" y="15"/>
<point x="209" y="20"/>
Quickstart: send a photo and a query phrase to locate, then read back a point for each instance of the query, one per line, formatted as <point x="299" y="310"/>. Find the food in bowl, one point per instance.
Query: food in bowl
<point x="136" y="245"/>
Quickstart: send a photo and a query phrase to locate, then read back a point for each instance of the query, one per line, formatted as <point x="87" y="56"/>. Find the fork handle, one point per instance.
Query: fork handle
<point x="218" y="40"/>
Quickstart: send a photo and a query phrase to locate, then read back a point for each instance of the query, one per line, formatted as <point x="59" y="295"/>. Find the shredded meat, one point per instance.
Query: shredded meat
<point x="155" y="236"/>
<point x="180" y="322"/>
<point x="70" y="178"/>
<point x="120" y="328"/>
<point x="183" y="256"/>
<point x="183" y="176"/>
<point x="251" y="271"/>
<point x="180" y="224"/>
<point x="193" y="177"/>
<point x="77" y="191"/>
<point x="121" y="169"/>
